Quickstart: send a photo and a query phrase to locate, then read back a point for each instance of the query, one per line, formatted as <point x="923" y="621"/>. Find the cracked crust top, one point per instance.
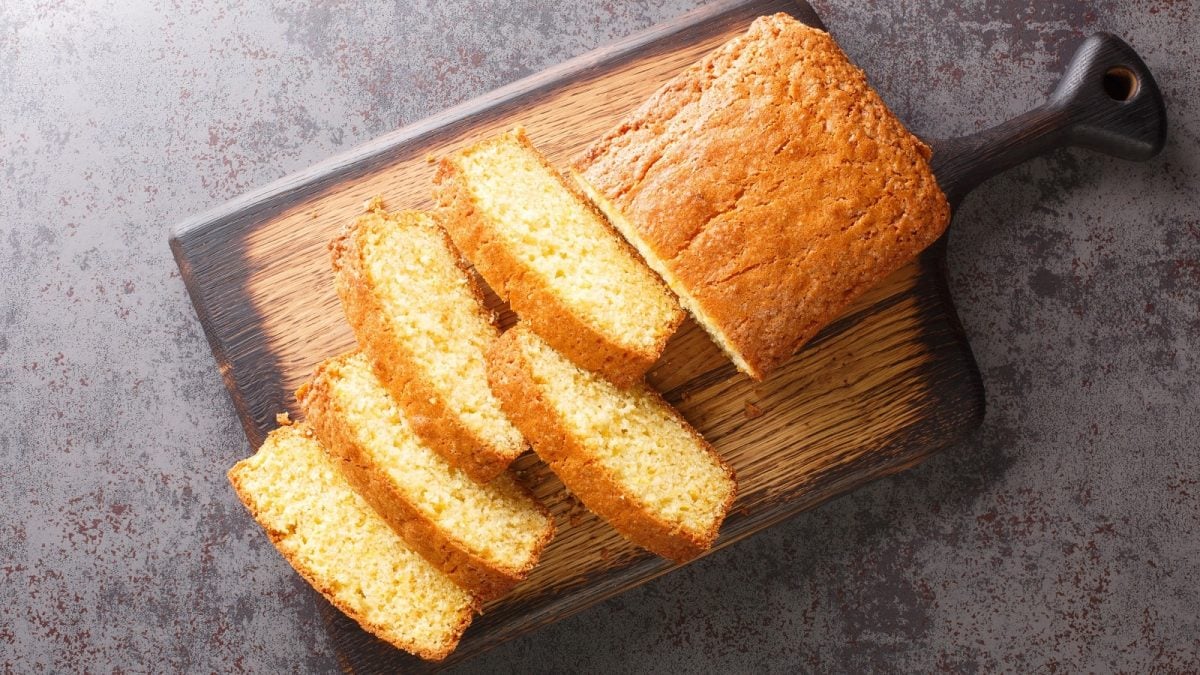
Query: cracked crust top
<point x="769" y="185"/>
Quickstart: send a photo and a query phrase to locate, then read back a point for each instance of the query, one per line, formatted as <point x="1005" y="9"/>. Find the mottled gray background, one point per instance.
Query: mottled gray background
<point x="1062" y="535"/>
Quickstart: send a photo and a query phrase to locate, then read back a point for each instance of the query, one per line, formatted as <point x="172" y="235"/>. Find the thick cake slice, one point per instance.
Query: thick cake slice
<point x="625" y="453"/>
<point x="486" y="537"/>
<point x="418" y="315"/>
<point x="769" y="186"/>
<point x="552" y="256"/>
<point x="345" y="550"/>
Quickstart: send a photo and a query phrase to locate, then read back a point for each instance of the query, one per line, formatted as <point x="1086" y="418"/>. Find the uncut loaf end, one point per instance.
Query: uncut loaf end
<point x="769" y="186"/>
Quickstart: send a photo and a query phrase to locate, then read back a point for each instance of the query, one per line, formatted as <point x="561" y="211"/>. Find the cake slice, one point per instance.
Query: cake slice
<point x="548" y="252"/>
<point x="418" y="315"/>
<point x="625" y="453"/>
<point x="485" y="537"/>
<point x="769" y="186"/>
<point x="345" y="550"/>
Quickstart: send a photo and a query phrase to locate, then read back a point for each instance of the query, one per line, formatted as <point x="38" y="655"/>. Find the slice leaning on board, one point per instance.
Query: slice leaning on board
<point x="681" y="204"/>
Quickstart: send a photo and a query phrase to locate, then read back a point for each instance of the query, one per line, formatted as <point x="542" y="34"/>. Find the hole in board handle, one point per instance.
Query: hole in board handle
<point x="1120" y="83"/>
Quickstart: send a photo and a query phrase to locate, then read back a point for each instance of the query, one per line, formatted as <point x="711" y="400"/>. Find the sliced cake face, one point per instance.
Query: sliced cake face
<point x="556" y="260"/>
<point x="623" y="451"/>
<point x="487" y="537"/>
<point x="769" y="186"/>
<point x="345" y="550"/>
<point x="416" y="311"/>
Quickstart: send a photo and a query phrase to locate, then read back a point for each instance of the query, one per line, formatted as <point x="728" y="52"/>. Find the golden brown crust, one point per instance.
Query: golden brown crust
<point x="510" y="376"/>
<point x="431" y="417"/>
<point x="770" y="186"/>
<point x="535" y="302"/>
<point x="382" y="632"/>
<point x="481" y="577"/>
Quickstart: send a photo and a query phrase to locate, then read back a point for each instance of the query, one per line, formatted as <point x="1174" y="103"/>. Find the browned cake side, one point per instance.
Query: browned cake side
<point x="624" y="452"/>
<point x="418" y="312"/>
<point x="769" y="185"/>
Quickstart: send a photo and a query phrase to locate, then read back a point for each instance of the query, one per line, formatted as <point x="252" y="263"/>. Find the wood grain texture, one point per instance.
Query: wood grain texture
<point x="890" y="382"/>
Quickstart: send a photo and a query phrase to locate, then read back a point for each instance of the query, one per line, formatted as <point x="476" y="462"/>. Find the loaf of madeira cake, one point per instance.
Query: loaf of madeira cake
<point x="417" y="313"/>
<point x="341" y="546"/>
<point x="769" y="186"/>
<point x="626" y="454"/>
<point x="485" y="537"/>
<point x="547" y="251"/>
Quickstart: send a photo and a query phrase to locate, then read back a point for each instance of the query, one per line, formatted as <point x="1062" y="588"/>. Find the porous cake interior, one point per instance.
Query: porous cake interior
<point x="333" y="537"/>
<point x="435" y="312"/>
<point x="566" y="243"/>
<point x="497" y="521"/>
<point x="634" y="435"/>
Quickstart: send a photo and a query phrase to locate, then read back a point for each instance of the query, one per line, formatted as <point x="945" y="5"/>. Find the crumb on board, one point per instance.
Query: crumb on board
<point x="283" y="419"/>
<point x="373" y="204"/>
<point x="752" y="411"/>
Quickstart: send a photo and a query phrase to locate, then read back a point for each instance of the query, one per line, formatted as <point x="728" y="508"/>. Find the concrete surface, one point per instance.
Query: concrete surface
<point x="1062" y="536"/>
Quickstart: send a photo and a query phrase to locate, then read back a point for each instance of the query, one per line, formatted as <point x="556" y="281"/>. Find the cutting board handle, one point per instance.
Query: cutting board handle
<point x="1107" y="100"/>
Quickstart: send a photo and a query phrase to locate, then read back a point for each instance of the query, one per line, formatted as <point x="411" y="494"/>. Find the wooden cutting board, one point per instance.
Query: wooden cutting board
<point x="890" y="382"/>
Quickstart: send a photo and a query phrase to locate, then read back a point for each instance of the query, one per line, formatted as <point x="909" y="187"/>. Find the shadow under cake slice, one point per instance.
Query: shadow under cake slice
<point x="337" y="542"/>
